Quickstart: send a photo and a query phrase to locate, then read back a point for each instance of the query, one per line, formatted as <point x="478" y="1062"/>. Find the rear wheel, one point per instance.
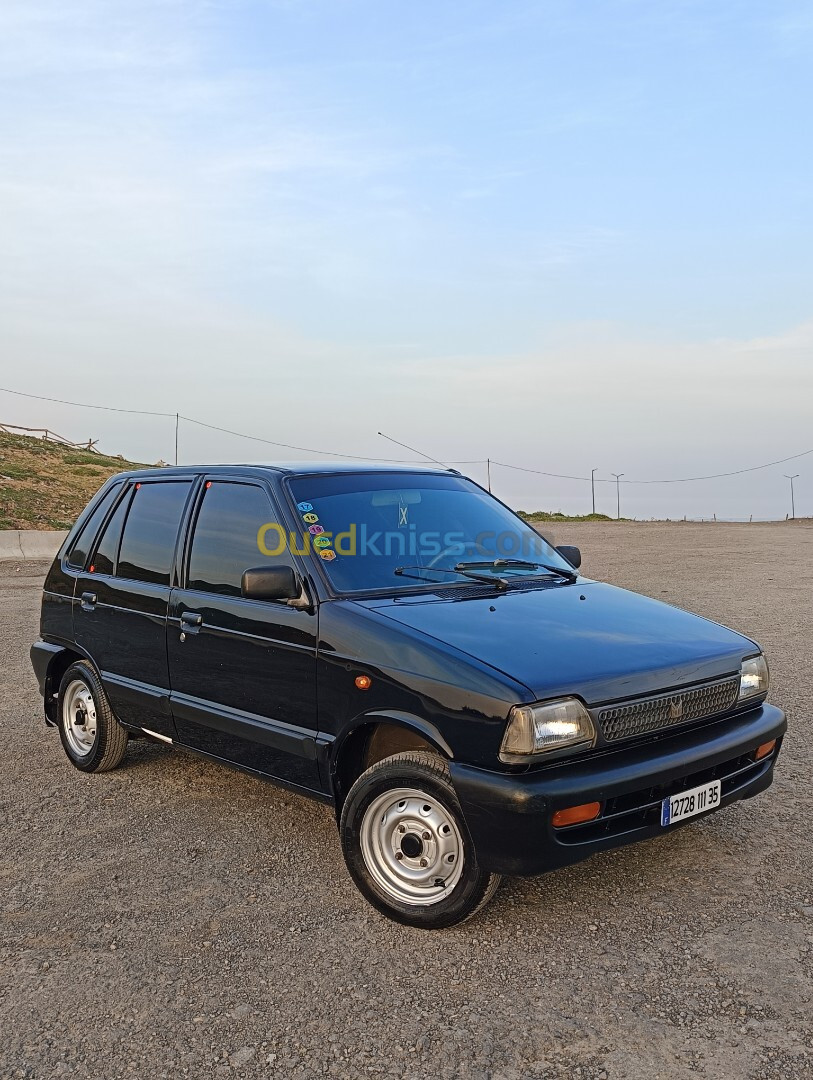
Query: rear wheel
<point x="406" y="844"/>
<point x="91" y="736"/>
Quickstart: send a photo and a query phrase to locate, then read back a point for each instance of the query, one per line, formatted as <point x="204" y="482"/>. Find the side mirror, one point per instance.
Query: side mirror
<point x="271" y="583"/>
<point x="572" y="554"/>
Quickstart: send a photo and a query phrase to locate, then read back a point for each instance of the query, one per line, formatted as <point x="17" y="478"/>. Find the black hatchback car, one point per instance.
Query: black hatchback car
<point x="399" y="644"/>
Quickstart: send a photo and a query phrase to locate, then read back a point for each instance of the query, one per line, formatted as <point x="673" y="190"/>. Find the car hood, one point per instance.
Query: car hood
<point x="590" y="639"/>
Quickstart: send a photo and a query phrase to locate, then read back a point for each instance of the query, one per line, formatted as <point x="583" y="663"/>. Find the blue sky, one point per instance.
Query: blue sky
<point x="565" y="235"/>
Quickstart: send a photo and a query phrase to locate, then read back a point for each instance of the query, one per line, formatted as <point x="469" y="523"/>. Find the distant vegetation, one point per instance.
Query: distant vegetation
<point x="557" y="515"/>
<point x="44" y="485"/>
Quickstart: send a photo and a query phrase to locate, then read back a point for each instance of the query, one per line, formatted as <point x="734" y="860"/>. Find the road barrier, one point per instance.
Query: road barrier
<point x="26" y="545"/>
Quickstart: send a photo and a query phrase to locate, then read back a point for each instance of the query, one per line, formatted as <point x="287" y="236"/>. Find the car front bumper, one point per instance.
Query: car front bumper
<point x="509" y="814"/>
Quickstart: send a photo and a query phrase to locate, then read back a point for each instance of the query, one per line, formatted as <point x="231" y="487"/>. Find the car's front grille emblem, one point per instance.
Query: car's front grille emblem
<point x="630" y="718"/>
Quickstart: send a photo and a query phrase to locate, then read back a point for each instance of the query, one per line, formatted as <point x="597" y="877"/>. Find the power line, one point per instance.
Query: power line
<point x="212" y="427"/>
<point x="290" y="446"/>
<point x="229" y="431"/>
<point x="325" y="453"/>
<point x="674" y="480"/>
<point x="398" y="461"/>
<point x="541" y="472"/>
<point x="83" y="405"/>
<point x="718" y="476"/>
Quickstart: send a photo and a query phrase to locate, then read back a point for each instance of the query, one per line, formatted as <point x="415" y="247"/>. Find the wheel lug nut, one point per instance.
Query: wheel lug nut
<point x="399" y="855"/>
<point x="402" y="828"/>
<point x="426" y="836"/>
<point x="424" y="862"/>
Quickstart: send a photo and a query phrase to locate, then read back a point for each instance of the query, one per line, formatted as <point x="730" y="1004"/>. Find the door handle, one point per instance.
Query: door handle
<point x="190" y="623"/>
<point x="88" y="601"/>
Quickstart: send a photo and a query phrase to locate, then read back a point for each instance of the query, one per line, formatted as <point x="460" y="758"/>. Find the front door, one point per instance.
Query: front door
<point x="242" y="672"/>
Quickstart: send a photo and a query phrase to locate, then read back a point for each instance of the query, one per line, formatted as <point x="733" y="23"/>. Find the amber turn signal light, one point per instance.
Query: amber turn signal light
<point x="363" y="682"/>
<point x="764" y="750"/>
<point x="575" y="815"/>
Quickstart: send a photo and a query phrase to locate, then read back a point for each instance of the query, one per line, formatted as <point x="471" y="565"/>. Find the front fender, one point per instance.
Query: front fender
<point x="341" y="758"/>
<point x="407" y="720"/>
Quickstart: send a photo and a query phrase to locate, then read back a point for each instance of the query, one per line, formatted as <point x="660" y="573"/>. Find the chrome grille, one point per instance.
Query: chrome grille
<point x="631" y="718"/>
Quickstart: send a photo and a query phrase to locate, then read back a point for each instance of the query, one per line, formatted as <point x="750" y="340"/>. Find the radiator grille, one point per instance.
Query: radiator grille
<point x="632" y="718"/>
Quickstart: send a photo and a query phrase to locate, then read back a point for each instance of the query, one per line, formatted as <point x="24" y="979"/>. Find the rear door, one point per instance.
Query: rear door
<point x="242" y="672"/>
<point x="121" y="599"/>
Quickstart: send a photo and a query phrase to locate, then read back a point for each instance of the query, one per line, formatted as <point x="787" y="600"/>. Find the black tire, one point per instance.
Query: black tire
<point x="384" y="882"/>
<point x="88" y="751"/>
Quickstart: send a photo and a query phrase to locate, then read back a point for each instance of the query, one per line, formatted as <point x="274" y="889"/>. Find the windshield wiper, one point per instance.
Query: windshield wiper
<point x="488" y="579"/>
<point x="519" y="564"/>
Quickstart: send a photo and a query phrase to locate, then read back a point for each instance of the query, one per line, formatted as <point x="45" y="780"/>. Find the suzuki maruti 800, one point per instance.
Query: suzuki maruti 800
<point x="400" y="645"/>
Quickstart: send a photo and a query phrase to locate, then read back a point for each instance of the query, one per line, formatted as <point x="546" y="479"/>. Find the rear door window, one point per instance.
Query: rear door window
<point x="104" y="561"/>
<point x="150" y="532"/>
<point x="84" y="542"/>
<point x="225" y="541"/>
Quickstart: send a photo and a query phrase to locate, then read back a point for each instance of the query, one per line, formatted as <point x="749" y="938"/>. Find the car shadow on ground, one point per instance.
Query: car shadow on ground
<point x="646" y="870"/>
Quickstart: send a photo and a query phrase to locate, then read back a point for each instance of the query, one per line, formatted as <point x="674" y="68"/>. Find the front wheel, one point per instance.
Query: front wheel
<point x="406" y="844"/>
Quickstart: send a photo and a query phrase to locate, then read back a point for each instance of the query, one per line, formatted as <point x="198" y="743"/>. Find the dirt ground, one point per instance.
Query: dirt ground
<point x="174" y="918"/>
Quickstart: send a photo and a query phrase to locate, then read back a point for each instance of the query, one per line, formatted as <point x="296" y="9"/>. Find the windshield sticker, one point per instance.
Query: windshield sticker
<point x="316" y="538"/>
<point x="403" y="511"/>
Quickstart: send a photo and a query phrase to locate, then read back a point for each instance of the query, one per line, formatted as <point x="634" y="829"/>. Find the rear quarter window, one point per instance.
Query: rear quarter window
<point x="104" y="558"/>
<point x="80" y="549"/>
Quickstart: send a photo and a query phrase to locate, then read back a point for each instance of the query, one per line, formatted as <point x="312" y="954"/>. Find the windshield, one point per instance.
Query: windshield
<point x="390" y="531"/>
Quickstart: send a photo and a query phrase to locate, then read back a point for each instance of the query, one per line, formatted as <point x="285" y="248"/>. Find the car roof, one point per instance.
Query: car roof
<point x="291" y="468"/>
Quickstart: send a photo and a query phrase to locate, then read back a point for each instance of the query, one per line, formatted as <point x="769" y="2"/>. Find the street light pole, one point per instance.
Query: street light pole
<point x="618" y="476"/>
<point x="792" y="500"/>
<point x="593" y="486"/>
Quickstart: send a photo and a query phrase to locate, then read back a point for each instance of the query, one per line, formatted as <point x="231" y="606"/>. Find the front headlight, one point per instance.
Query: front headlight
<point x="754" y="678"/>
<point x="536" y="729"/>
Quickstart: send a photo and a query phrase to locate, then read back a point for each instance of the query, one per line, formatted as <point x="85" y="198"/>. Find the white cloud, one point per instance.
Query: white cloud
<point x="796" y="338"/>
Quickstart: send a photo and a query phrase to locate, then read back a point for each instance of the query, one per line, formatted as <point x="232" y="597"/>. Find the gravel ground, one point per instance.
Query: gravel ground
<point x="174" y="918"/>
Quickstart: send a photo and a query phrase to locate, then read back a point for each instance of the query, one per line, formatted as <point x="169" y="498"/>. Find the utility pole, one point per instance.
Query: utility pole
<point x="792" y="500"/>
<point x="176" y="437"/>
<point x="488" y="466"/>
<point x="618" y="476"/>
<point x="593" y="486"/>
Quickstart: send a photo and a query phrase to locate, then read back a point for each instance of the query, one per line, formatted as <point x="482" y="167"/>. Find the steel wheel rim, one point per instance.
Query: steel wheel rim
<point x="79" y="718"/>
<point x="412" y="846"/>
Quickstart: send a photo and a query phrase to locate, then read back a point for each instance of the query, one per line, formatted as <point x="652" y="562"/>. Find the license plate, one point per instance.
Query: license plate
<point x="688" y="803"/>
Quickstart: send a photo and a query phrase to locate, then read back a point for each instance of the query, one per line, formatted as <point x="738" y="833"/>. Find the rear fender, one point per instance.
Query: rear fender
<point x="50" y="662"/>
